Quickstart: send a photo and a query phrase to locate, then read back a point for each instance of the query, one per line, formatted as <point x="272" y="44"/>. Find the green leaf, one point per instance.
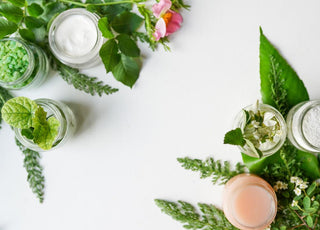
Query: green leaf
<point x="234" y="137"/>
<point x="19" y="3"/>
<point x="309" y="221"/>
<point x="126" y="22"/>
<point x="109" y="54"/>
<point x="45" y="131"/>
<point x="306" y="202"/>
<point x="127" y="46"/>
<point x="311" y="188"/>
<point x="309" y="164"/>
<point x="35" y="10"/>
<point x="280" y="85"/>
<point x="7" y="27"/>
<point x="4" y="96"/>
<point x="127" y="71"/>
<point x="52" y="9"/>
<point x="27" y="34"/>
<point x="32" y="22"/>
<point x="256" y="165"/>
<point x="104" y="27"/>
<point x="27" y="133"/>
<point x="11" y="12"/>
<point x="18" y="112"/>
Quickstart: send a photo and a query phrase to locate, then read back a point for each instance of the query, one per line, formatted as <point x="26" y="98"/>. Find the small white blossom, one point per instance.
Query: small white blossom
<point x="299" y="181"/>
<point x="267" y="119"/>
<point x="280" y="185"/>
<point x="294" y="203"/>
<point x="297" y="191"/>
<point x="304" y="185"/>
<point x="284" y="186"/>
<point x="294" y="179"/>
<point x="275" y="188"/>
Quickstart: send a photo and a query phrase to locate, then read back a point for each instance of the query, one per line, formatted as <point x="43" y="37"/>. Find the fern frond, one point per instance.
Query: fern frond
<point x="220" y="172"/>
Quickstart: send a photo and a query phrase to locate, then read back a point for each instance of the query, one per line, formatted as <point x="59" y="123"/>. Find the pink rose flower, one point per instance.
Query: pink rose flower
<point x="169" y="20"/>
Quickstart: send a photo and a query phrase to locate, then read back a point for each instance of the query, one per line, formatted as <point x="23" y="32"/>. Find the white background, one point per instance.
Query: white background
<point x="123" y="155"/>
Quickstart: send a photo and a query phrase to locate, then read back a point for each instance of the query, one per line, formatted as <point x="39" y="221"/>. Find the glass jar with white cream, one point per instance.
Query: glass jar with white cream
<point x="75" y="38"/>
<point x="303" y="123"/>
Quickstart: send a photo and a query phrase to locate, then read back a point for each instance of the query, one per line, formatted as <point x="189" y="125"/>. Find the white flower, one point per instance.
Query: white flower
<point x="297" y="191"/>
<point x="304" y="185"/>
<point x="284" y="186"/>
<point x="267" y="119"/>
<point x="299" y="181"/>
<point x="275" y="188"/>
<point x="294" y="179"/>
<point x="294" y="203"/>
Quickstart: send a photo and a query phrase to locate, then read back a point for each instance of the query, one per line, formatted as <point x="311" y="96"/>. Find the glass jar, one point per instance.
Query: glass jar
<point x="37" y="67"/>
<point x="249" y="202"/>
<point x="63" y="114"/>
<point x="68" y="41"/>
<point x="303" y="123"/>
<point x="280" y="137"/>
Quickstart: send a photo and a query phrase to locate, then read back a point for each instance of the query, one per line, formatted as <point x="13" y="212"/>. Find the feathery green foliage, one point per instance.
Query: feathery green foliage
<point x="34" y="170"/>
<point x="220" y="172"/>
<point x="83" y="82"/>
<point x="209" y="217"/>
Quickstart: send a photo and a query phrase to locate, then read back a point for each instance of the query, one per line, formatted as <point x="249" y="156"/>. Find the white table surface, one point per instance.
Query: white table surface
<point x="123" y="155"/>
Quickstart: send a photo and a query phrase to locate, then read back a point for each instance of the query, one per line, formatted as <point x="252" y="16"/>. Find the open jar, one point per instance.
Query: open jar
<point x="249" y="202"/>
<point x="22" y="64"/>
<point x="63" y="114"/>
<point x="263" y="128"/>
<point x="75" y="38"/>
<point x="303" y="123"/>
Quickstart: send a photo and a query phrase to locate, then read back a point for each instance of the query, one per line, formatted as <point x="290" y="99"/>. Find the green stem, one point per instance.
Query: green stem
<point x="101" y="4"/>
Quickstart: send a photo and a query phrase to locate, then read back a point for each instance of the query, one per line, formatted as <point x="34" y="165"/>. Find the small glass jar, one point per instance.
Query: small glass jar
<point x="63" y="114"/>
<point x="249" y="202"/>
<point x="303" y="123"/>
<point x="65" y="48"/>
<point x="36" y="71"/>
<point x="241" y="120"/>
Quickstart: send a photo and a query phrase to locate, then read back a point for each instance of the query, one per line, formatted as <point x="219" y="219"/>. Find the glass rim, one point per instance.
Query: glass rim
<point x="31" y="60"/>
<point x="62" y="56"/>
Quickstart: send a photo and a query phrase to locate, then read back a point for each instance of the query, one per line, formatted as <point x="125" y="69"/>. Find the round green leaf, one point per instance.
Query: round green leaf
<point x="7" y="27"/>
<point x="127" y="46"/>
<point x="35" y="10"/>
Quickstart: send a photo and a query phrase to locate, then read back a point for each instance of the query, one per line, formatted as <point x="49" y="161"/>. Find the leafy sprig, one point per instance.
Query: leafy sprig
<point x="220" y="172"/>
<point x="34" y="170"/>
<point x="209" y="217"/>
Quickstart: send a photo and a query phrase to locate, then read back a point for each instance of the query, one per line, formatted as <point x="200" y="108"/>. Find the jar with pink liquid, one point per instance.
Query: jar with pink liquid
<point x="249" y="203"/>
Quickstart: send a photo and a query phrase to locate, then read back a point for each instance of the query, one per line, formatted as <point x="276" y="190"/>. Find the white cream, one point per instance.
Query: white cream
<point x="76" y="35"/>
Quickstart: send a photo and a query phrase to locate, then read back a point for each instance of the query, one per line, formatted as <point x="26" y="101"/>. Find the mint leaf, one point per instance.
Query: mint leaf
<point x="18" y="112"/>
<point x="45" y="131"/>
<point x="126" y="22"/>
<point x="27" y="34"/>
<point x="127" y="71"/>
<point x="35" y="10"/>
<point x="109" y="54"/>
<point x="7" y="27"/>
<point x="11" y="12"/>
<point x="234" y="137"/>
<point x="27" y="133"/>
<point x="281" y="87"/>
<point x="32" y="22"/>
<point x="104" y="27"/>
<point x="19" y="3"/>
<point x="127" y="46"/>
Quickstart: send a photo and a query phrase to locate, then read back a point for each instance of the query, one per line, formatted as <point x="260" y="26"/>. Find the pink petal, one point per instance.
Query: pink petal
<point x="160" y="29"/>
<point x="175" y="23"/>
<point x="160" y="8"/>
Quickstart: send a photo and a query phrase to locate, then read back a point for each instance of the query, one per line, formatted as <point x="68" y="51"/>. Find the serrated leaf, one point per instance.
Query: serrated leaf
<point x="18" y="112"/>
<point x="126" y="22"/>
<point x="32" y="22"/>
<point x="234" y="137"/>
<point x="306" y="202"/>
<point x="280" y="85"/>
<point x="11" y="12"/>
<point x="104" y="27"/>
<point x="19" y="3"/>
<point x="126" y="71"/>
<point x="35" y="10"/>
<point x="45" y="131"/>
<point x="27" y="133"/>
<point x="127" y="46"/>
<point x="109" y="54"/>
<point x="27" y="34"/>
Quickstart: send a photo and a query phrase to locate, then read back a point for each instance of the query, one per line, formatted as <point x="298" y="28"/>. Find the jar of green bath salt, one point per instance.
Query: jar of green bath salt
<point x="22" y="64"/>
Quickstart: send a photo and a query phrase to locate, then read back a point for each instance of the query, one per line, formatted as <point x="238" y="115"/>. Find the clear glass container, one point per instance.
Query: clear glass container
<point x="249" y="202"/>
<point x="79" y="60"/>
<point x="63" y="114"/>
<point x="303" y="123"/>
<point x="37" y="70"/>
<point x="240" y="122"/>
